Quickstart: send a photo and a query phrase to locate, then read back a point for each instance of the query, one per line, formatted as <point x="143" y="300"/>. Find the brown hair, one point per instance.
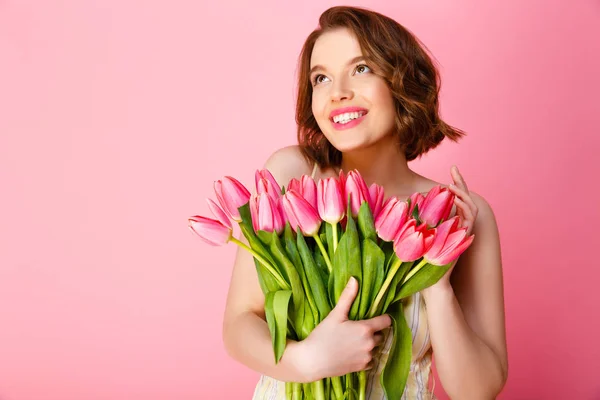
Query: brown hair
<point x="408" y="70"/>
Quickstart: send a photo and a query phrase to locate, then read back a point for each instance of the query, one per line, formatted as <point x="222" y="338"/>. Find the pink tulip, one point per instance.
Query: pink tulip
<point x="391" y="219"/>
<point x="219" y="213"/>
<point x="449" y="243"/>
<point x="436" y="206"/>
<point x="416" y="199"/>
<point x="265" y="186"/>
<point x="305" y="187"/>
<point x="209" y="230"/>
<point x="330" y="203"/>
<point x="294" y="185"/>
<point x="266" y="215"/>
<point x="412" y="241"/>
<point x="357" y="188"/>
<point x="300" y="214"/>
<point x="309" y="190"/>
<point x="231" y="195"/>
<point x="266" y="174"/>
<point x="342" y="179"/>
<point x="376" y="196"/>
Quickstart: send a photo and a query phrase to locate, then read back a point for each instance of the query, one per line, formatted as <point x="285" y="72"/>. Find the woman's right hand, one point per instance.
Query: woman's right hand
<point x="338" y="346"/>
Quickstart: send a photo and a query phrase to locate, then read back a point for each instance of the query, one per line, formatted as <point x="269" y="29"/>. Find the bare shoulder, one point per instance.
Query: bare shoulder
<point x="287" y="163"/>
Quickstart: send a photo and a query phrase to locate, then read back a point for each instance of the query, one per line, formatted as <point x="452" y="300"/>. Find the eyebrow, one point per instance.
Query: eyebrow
<point x="354" y="60"/>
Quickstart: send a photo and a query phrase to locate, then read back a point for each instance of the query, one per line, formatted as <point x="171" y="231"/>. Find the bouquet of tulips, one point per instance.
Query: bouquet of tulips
<point x="309" y="238"/>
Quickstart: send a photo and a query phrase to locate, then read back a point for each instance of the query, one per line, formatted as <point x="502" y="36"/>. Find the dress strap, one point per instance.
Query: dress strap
<point x="314" y="171"/>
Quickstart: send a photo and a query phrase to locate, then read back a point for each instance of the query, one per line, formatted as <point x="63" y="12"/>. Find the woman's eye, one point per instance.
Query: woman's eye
<point x="362" y="68"/>
<point x="318" y="79"/>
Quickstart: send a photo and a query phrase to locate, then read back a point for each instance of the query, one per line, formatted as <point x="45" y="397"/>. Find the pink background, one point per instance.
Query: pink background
<point x="117" y="116"/>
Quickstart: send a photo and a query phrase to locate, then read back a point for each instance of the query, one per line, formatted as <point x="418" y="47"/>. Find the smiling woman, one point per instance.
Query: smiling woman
<point x="375" y="63"/>
<point x="368" y="101"/>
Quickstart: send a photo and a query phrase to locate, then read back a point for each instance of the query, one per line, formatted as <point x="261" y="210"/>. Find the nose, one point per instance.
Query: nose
<point x="340" y="90"/>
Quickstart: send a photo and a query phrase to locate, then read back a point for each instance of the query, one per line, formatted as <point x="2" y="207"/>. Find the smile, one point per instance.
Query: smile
<point x="348" y="120"/>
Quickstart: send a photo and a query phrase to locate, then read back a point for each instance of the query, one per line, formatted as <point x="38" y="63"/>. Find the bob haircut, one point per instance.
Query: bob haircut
<point x="400" y="58"/>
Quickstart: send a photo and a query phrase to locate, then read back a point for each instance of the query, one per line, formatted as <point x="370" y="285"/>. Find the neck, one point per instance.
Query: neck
<point x="382" y="163"/>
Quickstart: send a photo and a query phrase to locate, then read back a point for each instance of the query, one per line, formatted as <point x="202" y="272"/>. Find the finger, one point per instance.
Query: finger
<point x="380" y="322"/>
<point x="344" y="304"/>
<point x="464" y="207"/>
<point x="458" y="179"/>
<point x="463" y="195"/>
<point x="466" y="217"/>
<point x="378" y="338"/>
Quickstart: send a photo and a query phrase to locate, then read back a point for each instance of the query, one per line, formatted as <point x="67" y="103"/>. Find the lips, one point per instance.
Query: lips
<point x="344" y="110"/>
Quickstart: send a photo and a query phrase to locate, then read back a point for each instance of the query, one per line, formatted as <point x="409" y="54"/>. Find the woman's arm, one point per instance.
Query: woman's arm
<point x="466" y="317"/>
<point x="246" y="334"/>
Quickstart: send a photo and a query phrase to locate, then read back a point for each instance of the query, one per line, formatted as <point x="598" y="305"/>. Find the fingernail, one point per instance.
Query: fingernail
<point x="350" y="281"/>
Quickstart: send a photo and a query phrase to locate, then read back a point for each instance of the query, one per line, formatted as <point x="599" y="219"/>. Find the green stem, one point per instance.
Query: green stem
<point x="414" y="271"/>
<point x="322" y="248"/>
<point x="335" y="240"/>
<point x="338" y="388"/>
<point x="319" y="390"/>
<point x="386" y="284"/>
<point x="264" y="262"/>
<point x="362" y="385"/>
<point x="297" y="391"/>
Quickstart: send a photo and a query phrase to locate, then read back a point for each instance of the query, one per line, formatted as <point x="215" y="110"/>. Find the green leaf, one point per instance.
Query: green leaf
<point x="266" y="280"/>
<point x="372" y="261"/>
<point x="425" y="277"/>
<point x="415" y="214"/>
<point x="305" y="322"/>
<point x="366" y="224"/>
<point x="394" y="288"/>
<point x="390" y="255"/>
<point x="329" y="233"/>
<point x="293" y="276"/>
<point x="347" y="263"/>
<point x="264" y="237"/>
<point x="323" y="237"/>
<point x="354" y="263"/>
<point x="292" y="251"/>
<point x="314" y="279"/>
<point x="340" y="274"/>
<point x="397" y="367"/>
<point x="276" y="310"/>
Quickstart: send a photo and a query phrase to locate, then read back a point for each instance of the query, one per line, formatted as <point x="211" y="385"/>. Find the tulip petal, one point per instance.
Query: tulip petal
<point x="411" y="248"/>
<point x="209" y="230"/>
<point x="453" y="254"/>
<point x="218" y="212"/>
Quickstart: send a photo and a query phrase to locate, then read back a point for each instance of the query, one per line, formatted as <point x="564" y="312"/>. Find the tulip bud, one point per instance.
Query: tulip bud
<point x="231" y="195"/>
<point x="209" y="230"/>
<point x="449" y="243"/>
<point x="392" y="217"/>
<point x="300" y="214"/>
<point x="330" y="203"/>
<point x="358" y="191"/>
<point x="436" y="206"/>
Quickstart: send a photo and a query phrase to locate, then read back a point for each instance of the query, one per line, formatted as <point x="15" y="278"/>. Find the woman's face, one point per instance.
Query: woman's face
<point x="352" y="105"/>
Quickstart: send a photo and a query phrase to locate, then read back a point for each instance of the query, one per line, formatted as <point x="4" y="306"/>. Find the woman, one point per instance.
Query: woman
<point x="368" y="100"/>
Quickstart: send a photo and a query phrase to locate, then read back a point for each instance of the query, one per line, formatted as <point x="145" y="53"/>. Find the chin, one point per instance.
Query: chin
<point x="349" y="144"/>
<point x="351" y="141"/>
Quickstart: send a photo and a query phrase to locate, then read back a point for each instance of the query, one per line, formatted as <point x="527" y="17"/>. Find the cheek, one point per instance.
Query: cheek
<point x="317" y="105"/>
<point x="382" y="97"/>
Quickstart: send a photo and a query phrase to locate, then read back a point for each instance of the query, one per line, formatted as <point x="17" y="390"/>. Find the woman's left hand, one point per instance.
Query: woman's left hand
<point x="466" y="209"/>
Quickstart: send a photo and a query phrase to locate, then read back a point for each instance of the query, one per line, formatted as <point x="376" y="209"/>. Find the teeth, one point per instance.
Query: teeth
<point x="347" y="117"/>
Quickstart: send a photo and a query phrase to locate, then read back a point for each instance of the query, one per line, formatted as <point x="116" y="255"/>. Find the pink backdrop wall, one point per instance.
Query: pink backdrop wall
<point x="116" y="117"/>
